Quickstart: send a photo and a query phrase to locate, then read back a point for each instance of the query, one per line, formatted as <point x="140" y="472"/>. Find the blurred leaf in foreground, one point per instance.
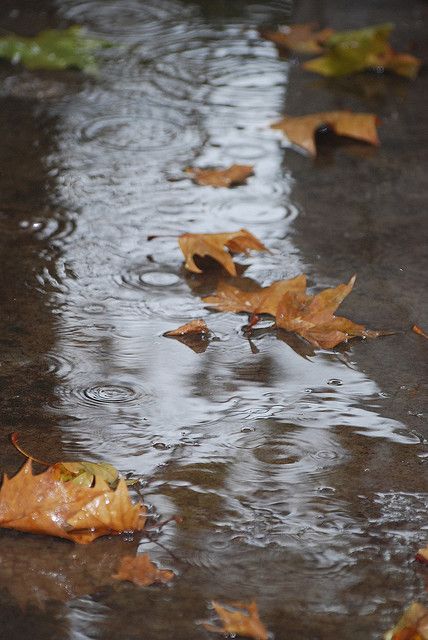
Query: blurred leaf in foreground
<point x="300" y="38"/>
<point x="413" y="625"/>
<point x="53" y="49"/>
<point x="349" y="52"/>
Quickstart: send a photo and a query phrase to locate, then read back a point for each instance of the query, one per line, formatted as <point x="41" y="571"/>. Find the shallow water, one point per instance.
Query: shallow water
<point x="300" y="474"/>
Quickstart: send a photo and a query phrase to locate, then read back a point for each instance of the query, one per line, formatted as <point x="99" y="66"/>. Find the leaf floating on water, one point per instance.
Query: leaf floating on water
<point x="312" y="317"/>
<point x="53" y="49"/>
<point x="217" y="247"/>
<point x="45" y="505"/>
<point x="419" y="331"/>
<point x="301" y="130"/>
<point x="422" y="555"/>
<point x="194" y="327"/>
<point x="300" y="38"/>
<point x="349" y="52"/>
<point x="235" y="175"/>
<point x="413" y="625"/>
<point x="142" y="571"/>
<point x="228" y="297"/>
<point x="239" y="618"/>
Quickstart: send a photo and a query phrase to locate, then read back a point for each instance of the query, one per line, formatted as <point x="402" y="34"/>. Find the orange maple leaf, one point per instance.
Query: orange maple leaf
<point x="301" y="130"/>
<point x="301" y="38"/>
<point x="45" y="505"/>
<point x="312" y="317"/>
<point x="413" y="625"/>
<point x="142" y="571"/>
<point x="215" y="246"/>
<point x="239" y="618"/>
<point x="231" y="177"/>
<point x="263" y="300"/>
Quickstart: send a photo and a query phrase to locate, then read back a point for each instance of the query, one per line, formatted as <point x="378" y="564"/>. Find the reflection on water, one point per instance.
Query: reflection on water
<point x="275" y="458"/>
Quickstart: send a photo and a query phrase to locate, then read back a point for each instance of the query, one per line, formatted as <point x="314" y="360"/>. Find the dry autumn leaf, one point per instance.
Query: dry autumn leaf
<point x="312" y="317"/>
<point x="263" y="300"/>
<point x="231" y="177"/>
<point x="422" y="555"/>
<point x="45" y="505"/>
<point x="301" y="130"/>
<point x="215" y="246"/>
<point x="300" y="38"/>
<point x="142" y="571"/>
<point x="413" y="625"/>
<point x="239" y="618"/>
<point x="419" y="331"/>
<point x="194" y="327"/>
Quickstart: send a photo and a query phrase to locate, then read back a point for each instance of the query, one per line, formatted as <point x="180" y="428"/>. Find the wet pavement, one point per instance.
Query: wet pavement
<point x="300" y="474"/>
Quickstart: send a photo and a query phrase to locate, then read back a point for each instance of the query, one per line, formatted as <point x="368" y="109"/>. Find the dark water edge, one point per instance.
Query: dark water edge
<point x="301" y="475"/>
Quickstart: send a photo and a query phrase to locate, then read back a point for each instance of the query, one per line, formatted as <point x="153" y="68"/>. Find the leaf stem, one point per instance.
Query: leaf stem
<point x="14" y="440"/>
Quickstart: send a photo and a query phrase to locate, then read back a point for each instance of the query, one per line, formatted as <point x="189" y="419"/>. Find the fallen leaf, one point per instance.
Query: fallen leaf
<point x="353" y="51"/>
<point x="300" y="38"/>
<point x="413" y="625"/>
<point x="301" y="130"/>
<point x="194" y="327"/>
<point x="419" y="331"/>
<point x="43" y="504"/>
<point x="422" y="555"/>
<point x="82" y="473"/>
<point x="239" y="618"/>
<point x="233" y="176"/>
<point x="53" y="49"/>
<point x="142" y="571"/>
<point x="215" y="246"/>
<point x="312" y="317"/>
<point x="263" y="300"/>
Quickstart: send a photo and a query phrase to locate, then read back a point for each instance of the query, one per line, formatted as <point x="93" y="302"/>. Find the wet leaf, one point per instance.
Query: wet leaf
<point x="45" y="505"/>
<point x="233" y="176"/>
<point x="239" y="618"/>
<point x="53" y="49"/>
<point x="413" y="625"/>
<point x="194" y="327"/>
<point x="312" y="317"/>
<point x="217" y="246"/>
<point x="353" y="51"/>
<point x="263" y="300"/>
<point x="142" y="571"/>
<point x="301" y="130"/>
<point x="300" y="38"/>
<point x="419" y="331"/>
<point x="422" y="555"/>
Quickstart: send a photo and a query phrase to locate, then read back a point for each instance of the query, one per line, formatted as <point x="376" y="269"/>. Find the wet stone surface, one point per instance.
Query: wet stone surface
<point x="300" y="474"/>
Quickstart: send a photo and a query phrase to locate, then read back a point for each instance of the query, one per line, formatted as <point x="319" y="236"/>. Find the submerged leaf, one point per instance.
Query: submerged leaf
<point x="198" y="327"/>
<point x="413" y="625"/>
<point x="233" y="176"/>
<point x="45" y="505"/>
<point x="301" y="130"/>
<point x="239" y="618"/>
<point x="312" y="317"/>
<point x="215" y="246"/>
<point x="53" y="49"/>
<point x="353" y="51"/>
<point x="142" y="571"/>
<point x="301" y="38"/>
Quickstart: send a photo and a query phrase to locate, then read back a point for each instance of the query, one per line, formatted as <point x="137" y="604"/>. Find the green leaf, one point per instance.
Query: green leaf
<point x="53" y="49"/>
<point x="85" y="473"/>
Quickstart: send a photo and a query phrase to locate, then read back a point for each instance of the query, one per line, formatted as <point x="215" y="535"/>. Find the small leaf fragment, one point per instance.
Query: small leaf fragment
<point x="413" y="625"/>
<point x="301" y="130"/>
<point x="194" y="327"/>
<point x="422" y="555"/>
<point x="53" y="49"/>
<point x="217" y="246"/>
<point x="142" y="571"/>
<point x="419" y="331"/>
<point x="239" y="618"/>
<point x="300" y="38"/>
<point x="233" y="176"/>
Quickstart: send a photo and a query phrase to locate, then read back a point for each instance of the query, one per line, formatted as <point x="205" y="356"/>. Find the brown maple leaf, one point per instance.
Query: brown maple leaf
<point x="239" y="618"/>
<point x="301" y="38"/>
<point x="312" y="317"/>
<point x="419" y="331"/>
<point x="215" y="246"/>
<point x="231" y="177"/>
<point x="301" y="130"/>
<point x="194" y="327"/>
<point x="45" y="505"/>
<point x="413" y="625"/>
<point x="263" y="300"/>
<point x="142" y="571"/>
